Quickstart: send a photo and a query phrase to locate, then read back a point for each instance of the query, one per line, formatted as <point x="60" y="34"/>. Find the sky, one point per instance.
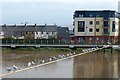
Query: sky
<point x="58" y="12"/>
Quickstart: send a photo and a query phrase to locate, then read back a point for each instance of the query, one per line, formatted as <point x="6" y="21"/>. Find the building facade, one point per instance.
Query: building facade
<point x="63" y="34"/>
<point x="18" y="31"/>
<point x="33" y="31"/>
<point x="96" y="27"/>
<point x="46" y="31"/>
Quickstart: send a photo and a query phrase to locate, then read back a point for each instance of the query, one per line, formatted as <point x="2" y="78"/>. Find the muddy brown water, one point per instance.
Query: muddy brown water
<point x="93" y="65"/>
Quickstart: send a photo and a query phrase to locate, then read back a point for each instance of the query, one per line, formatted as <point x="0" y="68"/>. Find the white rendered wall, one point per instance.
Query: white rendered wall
<point x="116" y="26"/>
<point x="1" y="35"/>
<point x="93" y="26"/>
<point x="39" y="35"/>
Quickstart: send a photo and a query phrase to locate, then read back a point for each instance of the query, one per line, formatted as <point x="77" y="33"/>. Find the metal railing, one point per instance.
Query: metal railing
<point x="52" y="41"/>
<point x="17" y="41"/>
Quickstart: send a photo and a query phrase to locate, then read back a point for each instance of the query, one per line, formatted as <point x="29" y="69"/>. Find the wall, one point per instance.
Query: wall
<point x="116" y="26"/>
<point x="88" y="26"/>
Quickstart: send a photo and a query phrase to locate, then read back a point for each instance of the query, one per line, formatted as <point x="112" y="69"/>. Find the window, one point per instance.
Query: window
<point x="113" y="15"/>
<point x="106" y="24"/>
<point x="97" y="15"/>
<point x="80" y="15"/>
<point x="90" y="39"/>
<point x="21" y="32"/>
<point x="91" y="22"/>
<point x="113" y="26"/>
<point x="97" y="22"/>
<point x="81" y="39"/>
<point x="97" y="30"/>
<point x="90" y="30"/>
<point x="106" y="31"/>
<point x="81" y="26"/>
<point x="97" y="39"/>
<point x="112" y="40"/>
<point x="90" y="15"/>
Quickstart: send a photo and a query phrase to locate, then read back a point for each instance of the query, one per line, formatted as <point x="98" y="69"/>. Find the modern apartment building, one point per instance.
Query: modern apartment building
<point x="96" y="26"/>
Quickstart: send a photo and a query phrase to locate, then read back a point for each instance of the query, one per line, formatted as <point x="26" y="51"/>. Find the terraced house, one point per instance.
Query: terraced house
<point x="96" y="26"/>
<point x="34" y="31"/>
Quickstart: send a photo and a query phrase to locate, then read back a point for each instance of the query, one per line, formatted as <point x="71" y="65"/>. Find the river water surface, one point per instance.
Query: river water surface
<point x="93" y="65"/>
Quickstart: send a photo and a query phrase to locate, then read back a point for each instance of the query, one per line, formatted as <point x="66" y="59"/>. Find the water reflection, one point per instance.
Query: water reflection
<point x="62" y="69"/>
<point x="93" y="65"/>
<point x="96" y="65"/>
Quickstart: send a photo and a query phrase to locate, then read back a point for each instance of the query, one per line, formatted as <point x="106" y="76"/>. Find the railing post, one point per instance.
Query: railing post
<point x="23" y="41"/>
<point x="35" y="41"/>
<point x="53" y="41"/>
<point x="12" y="42"/>
<point x="6" y="41"/>
<point x="17" y="41"/>
<point x="47" y="41"/>
<point x="59" y="41"/>
<point x="29" y="41"/>
<point x="41" y="41"/>
<point x="65" y="41"/>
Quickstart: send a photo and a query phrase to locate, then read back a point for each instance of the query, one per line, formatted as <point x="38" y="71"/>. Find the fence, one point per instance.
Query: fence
<point x="37" y="41"/>
<point x="47" y="41"/>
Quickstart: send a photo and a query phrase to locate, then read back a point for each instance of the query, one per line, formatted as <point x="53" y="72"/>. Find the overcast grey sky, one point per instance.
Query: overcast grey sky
<point x="49" y="11"/>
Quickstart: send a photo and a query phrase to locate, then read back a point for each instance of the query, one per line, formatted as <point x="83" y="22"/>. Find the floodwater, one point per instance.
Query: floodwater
<point x="93" y="65"/>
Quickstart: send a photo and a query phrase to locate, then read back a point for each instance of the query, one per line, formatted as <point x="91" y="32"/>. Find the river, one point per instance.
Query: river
<point x="93" y="65"/>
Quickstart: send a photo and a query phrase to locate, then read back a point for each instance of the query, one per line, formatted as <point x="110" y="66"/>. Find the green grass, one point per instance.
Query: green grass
<point x="45" y="49"/>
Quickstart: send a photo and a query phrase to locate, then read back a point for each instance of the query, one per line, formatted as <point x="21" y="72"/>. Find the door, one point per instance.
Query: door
<point x="81" y="40"/>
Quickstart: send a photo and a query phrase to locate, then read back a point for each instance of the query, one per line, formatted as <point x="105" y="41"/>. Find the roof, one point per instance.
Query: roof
<point x="96" y="13"/>
<point x="18" y="29"/>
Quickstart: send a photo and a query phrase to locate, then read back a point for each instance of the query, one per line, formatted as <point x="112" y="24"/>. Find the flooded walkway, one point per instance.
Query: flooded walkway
<point x="94" y="65"/>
